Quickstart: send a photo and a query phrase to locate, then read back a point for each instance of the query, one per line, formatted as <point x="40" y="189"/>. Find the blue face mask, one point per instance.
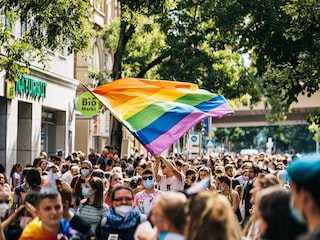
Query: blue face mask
<point x="85" y="172"/>
<point x="222" y="189"/>
<point x="85" y="192"/>
<point x="296" y="214"/>
<point x="149" y="184"/>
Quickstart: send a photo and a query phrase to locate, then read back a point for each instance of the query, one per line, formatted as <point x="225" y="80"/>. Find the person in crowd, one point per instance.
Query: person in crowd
<point x="252" y="228"/>
<point x="49" y="224"/>
<point x="135" y="184"/>
<point x="92" y="157"/>
<point x="283" y="179"/>
<point x="139" y="169"/>
<point x="168" y="216"/>
<point x="16" y="175"/>
<point x="304" y="173"/>
<point x="170" y="179"/>
<point x="252" y="172"/>
<point x="225" y="188"/>
<point x="205" y="172"/>
<point x="123" y="218"/>
<point x="18" y="220"/>
<point x="42" y="165"/>
<point x="103" y="159"/>
<point x="32" y="183"/>
<point x="191" y="177"/>
<point x="210" y="217"/>
<point x="230" y="172"/>
<point x="75" y="170"/>
<point x="276" y="219"/>
<point x="115" y="179"/>
<point x="145" y="200"/>
<point x="92" y="208"/>
<point x="78" y="223"/>
<point x="66" y="174"/>
<point x="78" y="181"/>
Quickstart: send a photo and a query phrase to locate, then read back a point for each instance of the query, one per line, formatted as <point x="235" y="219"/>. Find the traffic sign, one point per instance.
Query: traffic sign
<point x="210" y="143"/>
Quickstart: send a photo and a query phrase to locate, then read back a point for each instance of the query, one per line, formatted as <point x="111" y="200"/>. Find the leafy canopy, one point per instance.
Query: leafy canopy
<point x="46" y="25"/>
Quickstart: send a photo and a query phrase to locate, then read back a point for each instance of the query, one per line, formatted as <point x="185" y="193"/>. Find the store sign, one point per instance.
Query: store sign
<point x="28" y="86"/>
<point x="10" y="89"/>
<point x="88" y="105"/>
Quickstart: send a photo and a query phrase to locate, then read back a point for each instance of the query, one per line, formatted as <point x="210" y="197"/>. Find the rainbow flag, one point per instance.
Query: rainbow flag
<point x="158" y="112"/>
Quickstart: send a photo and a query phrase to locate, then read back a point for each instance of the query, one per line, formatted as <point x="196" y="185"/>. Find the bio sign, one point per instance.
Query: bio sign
<point x="88" y="105"/>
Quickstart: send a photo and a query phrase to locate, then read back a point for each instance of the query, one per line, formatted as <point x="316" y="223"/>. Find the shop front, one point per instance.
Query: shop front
<point x="36" y="114"/>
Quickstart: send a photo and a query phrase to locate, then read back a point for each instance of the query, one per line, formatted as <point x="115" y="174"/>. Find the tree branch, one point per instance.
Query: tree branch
<point x="155" y="62"/>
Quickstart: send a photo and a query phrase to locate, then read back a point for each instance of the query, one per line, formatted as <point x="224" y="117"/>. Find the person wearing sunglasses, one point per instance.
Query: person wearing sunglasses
<point x="123" y="218"/>
<point x="170" y="179"/>
<point x="145" y="200"/>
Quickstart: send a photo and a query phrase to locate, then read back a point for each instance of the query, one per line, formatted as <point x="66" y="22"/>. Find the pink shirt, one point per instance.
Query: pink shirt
<point x="145" y="201"/>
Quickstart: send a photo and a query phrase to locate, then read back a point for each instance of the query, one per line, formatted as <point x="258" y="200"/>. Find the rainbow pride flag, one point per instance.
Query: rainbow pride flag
<point x="158" y="112"/>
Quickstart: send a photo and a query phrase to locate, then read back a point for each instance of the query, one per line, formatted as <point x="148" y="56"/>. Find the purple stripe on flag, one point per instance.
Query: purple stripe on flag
<point x="167" y="139"/>
<point x="220" y="111"/>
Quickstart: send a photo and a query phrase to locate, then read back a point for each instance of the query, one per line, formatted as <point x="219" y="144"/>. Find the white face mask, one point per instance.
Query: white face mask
<point x="4" y="207"/>
<point x="123" y="210"/>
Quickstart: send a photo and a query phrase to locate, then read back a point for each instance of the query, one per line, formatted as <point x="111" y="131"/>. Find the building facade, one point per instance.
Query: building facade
<point x="94" y="132"/>
<point x="41" y="116"/>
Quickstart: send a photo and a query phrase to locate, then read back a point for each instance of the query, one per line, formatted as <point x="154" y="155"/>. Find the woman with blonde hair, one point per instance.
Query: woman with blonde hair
<point x="210" y="217"/>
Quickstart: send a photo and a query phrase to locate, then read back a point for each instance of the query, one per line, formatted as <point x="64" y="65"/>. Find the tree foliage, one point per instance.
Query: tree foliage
<point x="184" y="44"/>
<point x="284" y="40"/>
<point x="46" y="25"/>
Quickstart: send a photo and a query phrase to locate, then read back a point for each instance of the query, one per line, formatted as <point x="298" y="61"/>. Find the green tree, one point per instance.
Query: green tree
<point x="46" y="25"/>
<point x="179" y="41"/>
<point x="283" y="39"/>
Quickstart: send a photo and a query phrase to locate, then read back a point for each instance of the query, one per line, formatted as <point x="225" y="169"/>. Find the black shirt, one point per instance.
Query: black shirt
<point x="83" y="227"/>
<point x="102" y="161"/>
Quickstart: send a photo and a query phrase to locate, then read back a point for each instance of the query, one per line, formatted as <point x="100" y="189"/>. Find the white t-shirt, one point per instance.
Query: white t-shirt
<point x="67" y="177"/>
<point x="171" y="183"/>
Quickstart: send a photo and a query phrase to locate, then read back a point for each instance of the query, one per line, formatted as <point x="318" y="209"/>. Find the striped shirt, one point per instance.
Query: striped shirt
<point x="93" y="215"/>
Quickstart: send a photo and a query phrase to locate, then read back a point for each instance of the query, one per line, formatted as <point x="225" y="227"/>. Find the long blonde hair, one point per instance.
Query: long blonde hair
<point x="210" y="217"/>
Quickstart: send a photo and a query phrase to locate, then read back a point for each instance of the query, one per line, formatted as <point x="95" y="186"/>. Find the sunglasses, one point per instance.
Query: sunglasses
<point x="146" y="178"/>
<point x="4" y="201"/>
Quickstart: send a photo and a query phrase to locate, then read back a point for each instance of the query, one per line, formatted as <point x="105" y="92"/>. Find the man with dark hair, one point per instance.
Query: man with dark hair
<point x="191" y="177"/>
<point x="76" y="221"/>
<point x="145" y="200"/>
<point x="123" y="218"/>
<point x="253" y="171"/>
<point x="103" y="159"/>
<point x="304" y="173"/>
<point x="170" y="178"/>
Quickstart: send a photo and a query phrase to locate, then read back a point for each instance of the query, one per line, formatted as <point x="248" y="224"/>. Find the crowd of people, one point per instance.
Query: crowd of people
<point x="102" y="196"/>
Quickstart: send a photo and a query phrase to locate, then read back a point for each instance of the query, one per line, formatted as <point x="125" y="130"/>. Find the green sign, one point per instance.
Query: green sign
<point x="88" y="105"/>
<point x="31" y="87"/>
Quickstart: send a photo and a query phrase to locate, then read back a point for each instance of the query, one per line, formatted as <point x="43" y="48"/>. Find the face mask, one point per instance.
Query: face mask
<point x="24" y="221"/>
<point x="222" y="189"/>
<point x="85" y="192"/>
<point x="4" y="207"/>
<point x="193" y="178"/>
<point x="149" y="184"/>
<point x="296" y="213"/>
<point x="85" y="172"/>
<point x="123" y="210"/>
